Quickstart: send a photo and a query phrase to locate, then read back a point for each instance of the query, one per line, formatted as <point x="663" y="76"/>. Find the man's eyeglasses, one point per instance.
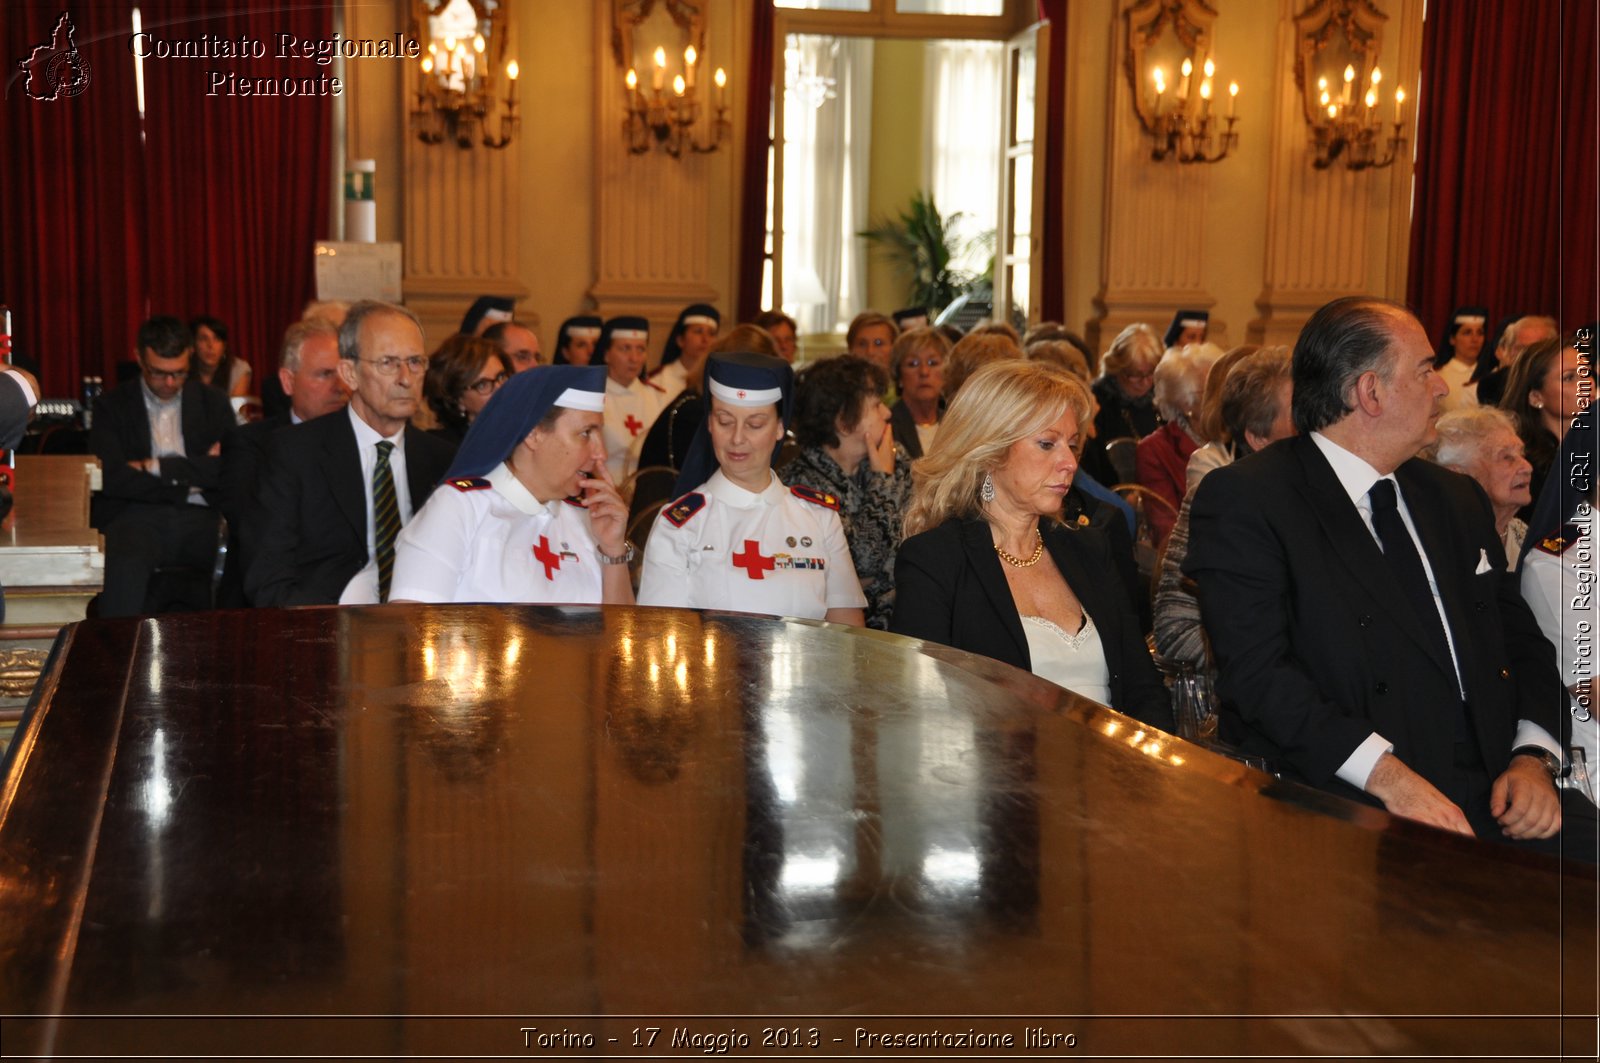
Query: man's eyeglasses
<point x="487" y="384"/>
<point x="165" y="374"/>
<point x="390" y="364"/>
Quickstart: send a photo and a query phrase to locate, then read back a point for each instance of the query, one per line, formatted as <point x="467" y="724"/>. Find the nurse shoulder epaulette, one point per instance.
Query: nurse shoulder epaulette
<point x="679" y="512"/>
<point x="815" y="497"/>
<point x="1558" y="543"/>
<point x="468" y="483"/>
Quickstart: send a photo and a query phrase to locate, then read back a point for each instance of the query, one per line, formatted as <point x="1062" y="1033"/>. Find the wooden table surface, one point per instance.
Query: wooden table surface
<point x="427" y="831"/>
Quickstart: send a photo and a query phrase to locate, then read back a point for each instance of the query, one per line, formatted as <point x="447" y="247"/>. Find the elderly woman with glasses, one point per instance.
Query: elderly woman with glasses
<point x="463" y="374"/>
<point x="1482" y="442"/>
<point x="917" y="368"/>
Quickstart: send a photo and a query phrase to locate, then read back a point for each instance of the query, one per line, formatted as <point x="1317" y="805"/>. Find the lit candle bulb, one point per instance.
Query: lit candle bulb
<point x="689" y="57"/>
<point x="1322" y="84"/>
<point x="433" y="48"/>
<point x="427" y="64"/>
<point x="512" y="70"/>
<point x="1377" y="75"/>
<point x="1372" y="99"/>
<point x="1233" y="94"/>
<point x="659" y="77"/>
<point x="1210" y="69"/>
<point x="721" y="78"/>
<point x="1349" y="79"/>
<point x="1183" y="86"/>
<point x="1160" y="79"/>
<point x="1333" y="111"/>
<point x="677" y="85"/>
<point x="1205" y="95"/>
<point x="1399" y="98"/>
<point x="449" y="44"/>
<point x="1324" y="99"/>
<point x="477" y="44"/>
<point x="632" y="81"/>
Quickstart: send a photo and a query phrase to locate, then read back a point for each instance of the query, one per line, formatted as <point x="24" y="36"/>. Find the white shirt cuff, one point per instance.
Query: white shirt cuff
<point x="1531" y="734"/>
<point x="27" y="392"/>
<point x="1358" y="766"/>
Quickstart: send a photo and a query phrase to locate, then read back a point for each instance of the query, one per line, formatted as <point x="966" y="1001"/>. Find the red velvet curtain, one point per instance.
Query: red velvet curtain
<point x="72" y="218"/>
<point x="1506" y="188"/>
<point x="753" y="203"/>
<point x="237" y="184"/>
<point x="216" y="211"/>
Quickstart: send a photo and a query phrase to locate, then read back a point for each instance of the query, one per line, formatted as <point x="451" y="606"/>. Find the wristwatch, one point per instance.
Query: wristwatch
<point x="625" y="559"/>
<point x="1547" y="760"/>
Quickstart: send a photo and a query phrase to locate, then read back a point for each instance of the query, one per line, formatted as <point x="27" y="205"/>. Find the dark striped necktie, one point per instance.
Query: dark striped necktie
<point x="385" y="518"/>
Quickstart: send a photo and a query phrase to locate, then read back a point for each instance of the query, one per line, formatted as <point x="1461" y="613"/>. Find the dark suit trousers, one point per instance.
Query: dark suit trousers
<point x="146" y="537"/>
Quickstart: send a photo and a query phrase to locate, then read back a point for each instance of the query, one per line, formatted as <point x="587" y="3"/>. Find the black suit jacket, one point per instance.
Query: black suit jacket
<point x="314" y="503"/>
<point x="904" y="427"/>
<point x="1316" y="648"/>
<point x="14" y="411"/>
<point x="121" y="433"/>
<point x="244" y="459"/>
<point x="950" y="589"/>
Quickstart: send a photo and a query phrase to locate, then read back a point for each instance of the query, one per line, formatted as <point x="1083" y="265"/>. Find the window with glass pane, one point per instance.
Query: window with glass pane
<point x="825" y="5"/>
<point x="949" y="7"/>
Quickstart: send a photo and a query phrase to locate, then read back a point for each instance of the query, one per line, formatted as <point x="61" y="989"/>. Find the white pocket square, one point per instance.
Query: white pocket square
<point x="1483" y="562"/>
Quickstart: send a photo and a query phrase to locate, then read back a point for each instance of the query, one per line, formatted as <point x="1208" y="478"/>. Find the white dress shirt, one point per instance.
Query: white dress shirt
<point x="363" y="586"/>
<point x="1357" y="478"/>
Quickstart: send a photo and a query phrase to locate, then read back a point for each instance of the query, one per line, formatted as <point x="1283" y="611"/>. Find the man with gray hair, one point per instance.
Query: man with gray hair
<point x="1367" y="638"/>
<point x="1518" y="336"/>
<point x="338" y="488"/>
<point x="308" y="372"/>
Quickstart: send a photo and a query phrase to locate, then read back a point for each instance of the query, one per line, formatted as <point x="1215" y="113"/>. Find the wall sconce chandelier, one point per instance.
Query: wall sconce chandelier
<point x="1169" y="42"/>
<point x="1337" y="46"/>
<point x="455" y="89"/>
<point x="657" y="117"/>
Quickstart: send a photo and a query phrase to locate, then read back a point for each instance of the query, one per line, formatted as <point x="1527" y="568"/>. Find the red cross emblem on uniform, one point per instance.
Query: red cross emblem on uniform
<point x="550" y="560"/>
<point x="751" y="560"/>
<point x="633" y="424"/>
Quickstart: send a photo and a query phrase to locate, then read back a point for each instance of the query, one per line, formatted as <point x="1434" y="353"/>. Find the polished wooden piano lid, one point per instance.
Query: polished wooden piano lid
<point x="427" y="831"/>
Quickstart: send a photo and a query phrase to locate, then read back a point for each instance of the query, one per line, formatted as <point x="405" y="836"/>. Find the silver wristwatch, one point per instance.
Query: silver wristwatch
<point x="625" y="559"/>
<point x="1548" y="760"/>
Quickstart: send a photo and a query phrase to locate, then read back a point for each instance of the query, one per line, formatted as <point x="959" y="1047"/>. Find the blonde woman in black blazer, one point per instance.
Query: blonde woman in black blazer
<point x="988" y="566"/>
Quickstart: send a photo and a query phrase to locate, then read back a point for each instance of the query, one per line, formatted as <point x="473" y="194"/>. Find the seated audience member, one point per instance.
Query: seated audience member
<point x="1482" y="442"/>
<point x="159" y="441"/>
<point x="848" y="452"/>
<point x="1558" y="581"/>
<point x="726" y="543"/>
<point x="1124" y="386"/>
<point x="213" y="365"/>
<point x="783" y="330"/>
<point x="463" y="375"/>
<point x="988" y="567"/>
<point x="871" y="335"/>
<point x="519" y="347"/>
<point x="1254" y="410"/>
<point x="576" y="341"/>
<point x="1163" y="455"/>
<point x="1060" y="354"/>
<point x="998" y="328"/>
<point x="19" y="394"/>
<point x="911" y="317"/>
<point x="274" y="403"/>
<point x="1218" y="449"/>
<point x="666" y="445"/>
<point x="527" y="512"/>
<point x="338" y="489"/>
<point x="632" y="403"/>
<point x="1053" y="348"/>
<point x="1460" y="356"/>
<point x="308" y="373"/>
<point x="1517" y="336"/>
<point x="486" y="310"/>
<point x="1544" y="390"/>
<point x="1338" y="658"/>
<point x="917" y="360"/>
<point x="684" y="354"/>
<point x="1188" y="326"/>
<point x="971" y="353"/>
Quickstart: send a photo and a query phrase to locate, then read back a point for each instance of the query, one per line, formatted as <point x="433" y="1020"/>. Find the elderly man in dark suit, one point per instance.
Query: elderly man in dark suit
<point x="158" y="439"/>
<point x="308" y="370"/>
<point x="337" y="489"/>
<point x="1367" y="639"/>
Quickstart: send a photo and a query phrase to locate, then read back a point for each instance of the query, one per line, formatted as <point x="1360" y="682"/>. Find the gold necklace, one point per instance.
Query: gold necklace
<point x="1017" y="562"/>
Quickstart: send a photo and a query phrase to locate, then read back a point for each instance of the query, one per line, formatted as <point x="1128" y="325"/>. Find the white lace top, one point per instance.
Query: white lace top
<point x="1077" y="662"/>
